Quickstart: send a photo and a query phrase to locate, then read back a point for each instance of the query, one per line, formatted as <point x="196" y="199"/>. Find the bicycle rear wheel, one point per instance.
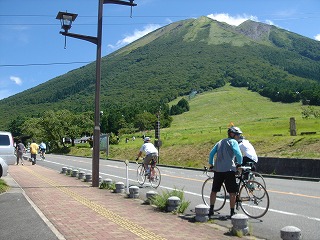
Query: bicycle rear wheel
<point x="255" y="176"/>
<point x="221" y="196"/>
<point x="141" y="178"/>
<point x="156" y="178"/>
<point x="254" y="199"/>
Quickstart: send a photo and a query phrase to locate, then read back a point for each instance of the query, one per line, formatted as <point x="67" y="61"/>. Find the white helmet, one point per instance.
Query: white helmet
<point x="235" y="130"/>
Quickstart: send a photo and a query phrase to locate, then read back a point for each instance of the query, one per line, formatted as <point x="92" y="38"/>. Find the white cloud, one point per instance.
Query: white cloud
<point x="17" y="80"/>
<point x="231" y="20"/>
<point x="136" y="35"/>
<point x="317" y="37"/>
<point x="269" y="22"/>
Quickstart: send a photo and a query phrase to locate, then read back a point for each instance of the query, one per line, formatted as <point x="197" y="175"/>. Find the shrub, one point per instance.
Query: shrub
<point x="161" y="200"/>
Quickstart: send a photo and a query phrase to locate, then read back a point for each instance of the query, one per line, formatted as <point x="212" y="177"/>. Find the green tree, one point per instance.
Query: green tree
<point x="15" y="127"/>
<point x="79" y="124"/>
<point x="183" y="103"/>
<point x="145" y="121"/>
<point x="33" y="128"/>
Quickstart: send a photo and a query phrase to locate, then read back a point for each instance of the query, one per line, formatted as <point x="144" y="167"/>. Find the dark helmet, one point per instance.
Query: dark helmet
<point x="235" y="130"/>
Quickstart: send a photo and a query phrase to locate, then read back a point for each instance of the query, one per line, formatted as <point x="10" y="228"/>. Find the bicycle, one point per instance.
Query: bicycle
<point x="154" y="176"/>
<point x="252" y="197"/>
<point x="253" y="175"/>
<point x="42" y="154"/>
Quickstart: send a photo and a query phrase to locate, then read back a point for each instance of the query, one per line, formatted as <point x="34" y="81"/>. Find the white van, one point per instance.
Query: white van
<point x="7" y="152"/>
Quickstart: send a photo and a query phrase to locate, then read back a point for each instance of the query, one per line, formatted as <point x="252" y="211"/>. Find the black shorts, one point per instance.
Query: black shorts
<point x="249" y="162"/>
<point x="228" y="178"/>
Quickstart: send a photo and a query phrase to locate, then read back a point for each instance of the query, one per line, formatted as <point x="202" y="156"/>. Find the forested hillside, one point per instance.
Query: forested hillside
<point x="191" y="55"/>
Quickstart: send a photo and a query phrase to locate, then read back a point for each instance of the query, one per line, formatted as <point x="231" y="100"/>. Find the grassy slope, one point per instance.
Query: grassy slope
<point x="190" y="138"/>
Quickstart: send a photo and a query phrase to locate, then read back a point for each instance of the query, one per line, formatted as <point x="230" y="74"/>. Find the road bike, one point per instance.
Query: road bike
<point x="252" y="197"/>
<point x="153" y="177"/>
<point x="253" y="175"/>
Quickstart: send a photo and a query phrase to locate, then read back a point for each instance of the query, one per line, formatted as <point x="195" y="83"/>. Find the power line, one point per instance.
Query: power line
<point x="107" y="16"/>
<point x="40" y="64"/>
<point x="78" y="24"/>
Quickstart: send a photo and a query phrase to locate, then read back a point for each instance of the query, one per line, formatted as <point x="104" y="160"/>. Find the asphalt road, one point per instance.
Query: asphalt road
<point x="292" y="202"/>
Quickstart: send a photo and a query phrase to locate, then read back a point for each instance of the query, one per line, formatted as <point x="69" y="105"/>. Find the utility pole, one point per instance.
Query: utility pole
<point x="66" y="20"/>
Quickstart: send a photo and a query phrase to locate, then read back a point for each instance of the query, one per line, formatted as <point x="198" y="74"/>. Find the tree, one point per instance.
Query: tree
<point x="15" y="127"/>
<point x="181" y="107"/>
<point x="183" y="103"/>
<point x="145" y="121"/>
<point x="33" y="128"/>
<point x="52" y="127"/>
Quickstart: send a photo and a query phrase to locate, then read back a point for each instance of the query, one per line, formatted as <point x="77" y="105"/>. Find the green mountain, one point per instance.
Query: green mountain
<point x="191" y="55"/>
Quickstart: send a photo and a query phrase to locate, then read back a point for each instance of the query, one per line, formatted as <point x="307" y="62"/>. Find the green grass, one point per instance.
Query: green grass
<point x="3" y="186"/>
<point x="161" y="200"/>
<point x="266" y="124"/>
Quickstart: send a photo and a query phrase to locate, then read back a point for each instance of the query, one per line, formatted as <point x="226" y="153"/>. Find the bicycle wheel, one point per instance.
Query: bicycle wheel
<point x="255" y="176"/>
<point x="206" y="191"/>
<point x="156" y="178"/>
<point x="141" y="178"/>
<point x="254" y="199"/>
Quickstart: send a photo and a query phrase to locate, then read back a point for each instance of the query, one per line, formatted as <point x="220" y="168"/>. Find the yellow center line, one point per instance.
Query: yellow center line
<point x="121" y="221"/>
<point x="293" y="194"/>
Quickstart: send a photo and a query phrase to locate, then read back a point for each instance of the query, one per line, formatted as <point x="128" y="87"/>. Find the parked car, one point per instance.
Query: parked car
<point x="7" y="152"/>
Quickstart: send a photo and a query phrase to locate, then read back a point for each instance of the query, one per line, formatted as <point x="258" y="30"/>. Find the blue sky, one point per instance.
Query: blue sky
<point x="32" y="50"/>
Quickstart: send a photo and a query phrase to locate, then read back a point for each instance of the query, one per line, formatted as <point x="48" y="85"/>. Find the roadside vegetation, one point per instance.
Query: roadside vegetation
<point x="3" y="186"/>
<point x="161" y="200"/>
<point x="192" y="134"/>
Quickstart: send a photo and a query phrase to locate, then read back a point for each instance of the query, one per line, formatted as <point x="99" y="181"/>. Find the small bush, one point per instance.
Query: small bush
<point x="109" y="186"/>
<point x="161" y="200"/>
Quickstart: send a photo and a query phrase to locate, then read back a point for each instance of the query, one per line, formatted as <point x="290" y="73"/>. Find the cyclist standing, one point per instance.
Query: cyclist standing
<point x="224" y="167"/>
<point x="248" y="152"/>
<point x="151" y="154"/>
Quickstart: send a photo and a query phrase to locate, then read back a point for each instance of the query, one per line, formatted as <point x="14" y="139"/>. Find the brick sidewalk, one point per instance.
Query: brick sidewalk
<point x="79" y="211"/>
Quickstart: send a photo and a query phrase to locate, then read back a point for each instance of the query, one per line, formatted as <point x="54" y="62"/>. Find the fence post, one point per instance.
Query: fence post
<point x="293" y="131"/>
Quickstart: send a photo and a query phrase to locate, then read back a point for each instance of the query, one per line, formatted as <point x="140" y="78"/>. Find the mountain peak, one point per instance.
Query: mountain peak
<point x="255" y="30"/>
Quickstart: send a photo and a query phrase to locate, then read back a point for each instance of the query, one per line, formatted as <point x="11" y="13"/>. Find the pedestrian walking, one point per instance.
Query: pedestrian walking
<point x="34" y="148"/>
<point x="20" y="149"/>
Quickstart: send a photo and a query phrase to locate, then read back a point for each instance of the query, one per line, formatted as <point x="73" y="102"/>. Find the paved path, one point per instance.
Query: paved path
<point x="73" y="209"/>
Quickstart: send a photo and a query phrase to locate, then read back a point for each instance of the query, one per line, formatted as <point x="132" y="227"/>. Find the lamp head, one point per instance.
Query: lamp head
<point x="66" y="20"/>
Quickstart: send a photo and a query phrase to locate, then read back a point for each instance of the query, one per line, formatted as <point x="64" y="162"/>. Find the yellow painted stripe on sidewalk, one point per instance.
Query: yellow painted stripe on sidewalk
<point x="121" y="221"/>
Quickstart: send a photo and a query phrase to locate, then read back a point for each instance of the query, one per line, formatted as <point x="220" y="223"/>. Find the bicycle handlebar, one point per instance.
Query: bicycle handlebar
<point x="205" y="169"/>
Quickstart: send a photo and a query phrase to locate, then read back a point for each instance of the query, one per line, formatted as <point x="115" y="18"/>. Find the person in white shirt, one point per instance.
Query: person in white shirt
<point x="151" y="154"/>
<point x="248" y="152"/>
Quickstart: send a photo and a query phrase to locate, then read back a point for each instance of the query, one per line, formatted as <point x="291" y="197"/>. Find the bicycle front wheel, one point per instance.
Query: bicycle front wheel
<point x="156" y="178"/>
<point x="254" y="199"/>
<point x="141" y="178"/>
<point x="221" y="196"/>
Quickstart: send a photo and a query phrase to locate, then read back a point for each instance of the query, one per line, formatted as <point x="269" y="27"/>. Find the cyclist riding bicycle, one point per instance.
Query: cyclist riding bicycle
<point x="151" y="152"/>
<point x="43" y="148"/>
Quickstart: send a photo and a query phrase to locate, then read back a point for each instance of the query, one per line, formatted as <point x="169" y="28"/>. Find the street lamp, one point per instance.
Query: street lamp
<point x="66" y="20"/>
